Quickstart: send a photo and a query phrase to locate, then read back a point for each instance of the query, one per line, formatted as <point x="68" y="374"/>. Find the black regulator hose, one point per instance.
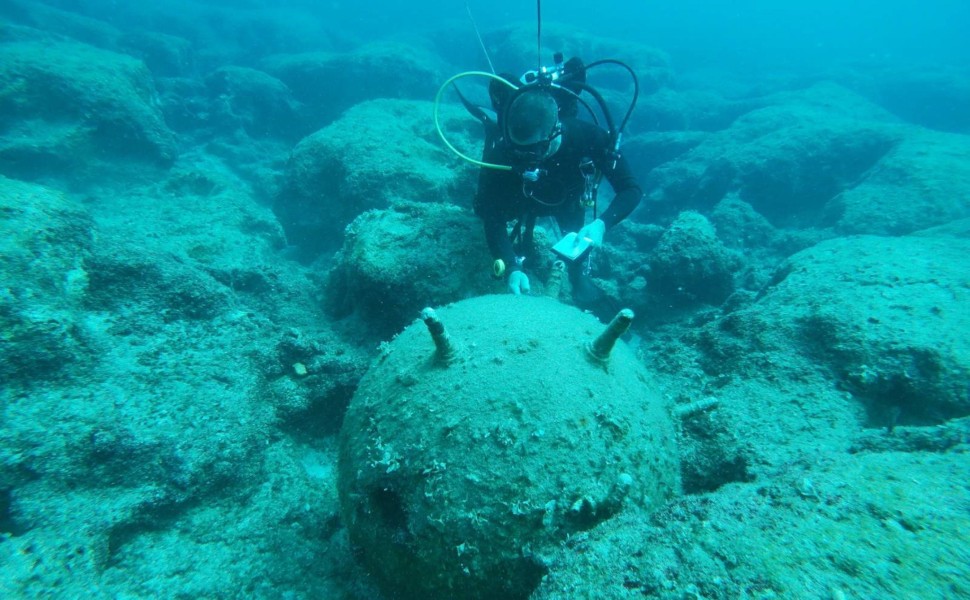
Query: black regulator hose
<point x="636" y="86"/>
<point x="610" y="125"/>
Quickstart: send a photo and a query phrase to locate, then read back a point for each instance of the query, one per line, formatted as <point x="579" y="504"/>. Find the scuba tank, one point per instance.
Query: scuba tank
<point x="566" y="80"/>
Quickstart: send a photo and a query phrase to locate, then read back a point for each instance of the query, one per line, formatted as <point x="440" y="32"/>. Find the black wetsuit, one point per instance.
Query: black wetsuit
<point x="503" y="196"/>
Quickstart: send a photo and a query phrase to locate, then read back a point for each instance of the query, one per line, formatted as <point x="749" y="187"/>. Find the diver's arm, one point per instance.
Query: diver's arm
<point x="496" y="233"/>
<point x="498" y="240"/>
<point x="627" y="191"/>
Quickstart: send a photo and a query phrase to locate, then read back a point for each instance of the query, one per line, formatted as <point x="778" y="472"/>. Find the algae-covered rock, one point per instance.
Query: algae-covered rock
<point x="741" y="226"/>
<point x="459" y="479"/>
<point x="787" y="159"/>
<point x="889" y="316"/>
<point x="164" y="55"/>
<point x="312" y="376"/>
<point x="848" y="526"/>
<point x="395" y="262"/>
<point x="66" y="106"/>
<point x="886" y="316"/>
<point x="690" y="110"/>
<point x="923" y="181"/>
<point x="379" y="152"/>
<point x="332" y="82"/>
<point x="821" y="156"/>
<point x="259" y="103"/>
<point x="40" y="20"/>
<point x="45" y="240"/>
<point x="652" y="149"/>
<point x="691" y="264"/>
<point x="122" y="278"/>
<point x="930" y="95"/>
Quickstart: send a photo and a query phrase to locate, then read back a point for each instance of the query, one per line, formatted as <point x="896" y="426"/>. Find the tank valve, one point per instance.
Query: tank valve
<point x="445" y="349"/>
<point x="599" y="349"/>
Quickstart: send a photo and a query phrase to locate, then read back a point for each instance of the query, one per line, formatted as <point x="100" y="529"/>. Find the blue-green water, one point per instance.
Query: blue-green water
<point x="220" y="220"/>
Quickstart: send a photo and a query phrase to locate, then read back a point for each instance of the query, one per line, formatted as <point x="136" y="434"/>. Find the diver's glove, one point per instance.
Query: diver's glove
<point x="518" y="283"/>
<point x="594" y="232"/>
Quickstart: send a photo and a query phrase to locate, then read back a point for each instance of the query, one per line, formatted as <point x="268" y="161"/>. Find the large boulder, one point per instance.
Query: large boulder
<point x="395" y="262"/>
<point x="933" y="96"/>
<point x="258" y="103"/>
<point x="190" y="246"/>
<point x="885" y="317"/>
<point x="135" y="333"/>
<point x="665" y="273"/>
<point x="164" y="55"/>
<point x="850" y="335"/>
<point x="786" y="160"/>
<point x="331" y="82"/>
<point x="380" y="152"/>
<point x="856" y="526"/>
<point x="690" y="264"/>
<point x="68" y="107"/>
<point x="45" y="240"/>
<point x="689" y="110"/>
<point x="922" y="182"/>
<point x="823" y="157"/>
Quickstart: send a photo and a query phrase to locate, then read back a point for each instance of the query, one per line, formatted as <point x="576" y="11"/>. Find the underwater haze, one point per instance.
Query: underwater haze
<point x="734" y="35"/>
<point x="254" y="344"/>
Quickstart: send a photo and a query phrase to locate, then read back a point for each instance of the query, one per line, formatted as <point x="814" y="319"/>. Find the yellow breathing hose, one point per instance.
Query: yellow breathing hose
<point x="437" y="123"/>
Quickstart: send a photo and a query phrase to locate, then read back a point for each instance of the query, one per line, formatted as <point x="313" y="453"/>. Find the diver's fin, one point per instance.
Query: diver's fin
<point x="482" y="114"/>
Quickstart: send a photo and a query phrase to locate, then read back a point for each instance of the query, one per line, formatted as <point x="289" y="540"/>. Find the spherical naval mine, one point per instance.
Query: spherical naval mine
<point x="468" y="455"/>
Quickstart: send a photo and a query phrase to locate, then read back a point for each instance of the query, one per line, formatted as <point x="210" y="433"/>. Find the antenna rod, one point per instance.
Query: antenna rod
<point x="479" y="34"/>
<point x="539" y="36"/>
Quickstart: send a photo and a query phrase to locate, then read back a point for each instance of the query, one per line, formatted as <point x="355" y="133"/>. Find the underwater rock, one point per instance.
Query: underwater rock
<point x="164" y="55"/>
<point x="934" y="96"/>
<point x="649" y="150"/>
<point x="329" y="83"/>
<point x="690" y="264"/>
<point x="868" y="514"/>
<point x="66" y="107"/>
<point x="759" y="246"/>
<point x="740" y="226"/>
<point x="848" y="335"/>
<point x="786" y="160"/>
<point x="253" y="100"/>
<point x="460" y="478"/>
<point x="379" y="152"/>
<point x="621" y="265"/>
<point x="958" y="229"/>
<point x="885" y="317"/>
<point x="311" y="380"/>
<point x="888" y="316"/>
<point x="122" y="277"/>
<point x="42" y="20"/>
<point x="690" y="110"/>
<point x="921" y="182"/>
<point x="388" y="268"/>
<point x="45" y="239"/>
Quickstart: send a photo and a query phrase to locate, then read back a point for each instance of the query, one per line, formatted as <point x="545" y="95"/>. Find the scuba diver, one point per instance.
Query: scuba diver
<point x="541" y="160"/>
<point x="557" y="159"/>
